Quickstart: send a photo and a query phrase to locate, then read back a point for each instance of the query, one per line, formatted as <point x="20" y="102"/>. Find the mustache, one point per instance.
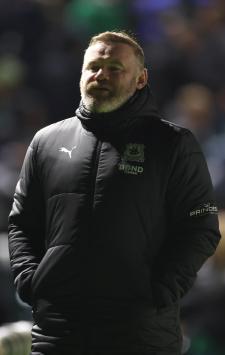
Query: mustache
<point x="91" y="86"/>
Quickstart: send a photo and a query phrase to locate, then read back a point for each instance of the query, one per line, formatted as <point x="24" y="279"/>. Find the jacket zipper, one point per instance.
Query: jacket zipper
<point x="94" y="173"/>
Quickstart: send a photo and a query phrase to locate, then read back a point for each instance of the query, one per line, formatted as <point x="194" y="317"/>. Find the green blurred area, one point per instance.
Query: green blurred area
<point x="91" y="17"/>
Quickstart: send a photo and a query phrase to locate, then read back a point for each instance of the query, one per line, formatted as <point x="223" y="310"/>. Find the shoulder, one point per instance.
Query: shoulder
<point x="180" y="137"/>
<point x="51" y="132"/>
<point x="54" y="128"/>
<point x="171" y="128"/>
<point x="157" y="125"/>
<point x="167" y="140"/>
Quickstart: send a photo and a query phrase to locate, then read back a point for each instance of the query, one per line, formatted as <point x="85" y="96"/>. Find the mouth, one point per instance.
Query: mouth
<point x="99" y="91"/>
<point x="100" y="88"/>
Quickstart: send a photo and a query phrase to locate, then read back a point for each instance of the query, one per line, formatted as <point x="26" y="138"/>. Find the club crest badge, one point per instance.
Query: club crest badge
<point x="132" y="159"/>
<point x="134" y="152"/>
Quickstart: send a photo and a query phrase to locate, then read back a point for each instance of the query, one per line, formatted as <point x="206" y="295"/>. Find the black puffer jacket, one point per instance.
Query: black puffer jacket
<point x="113" y="215"/>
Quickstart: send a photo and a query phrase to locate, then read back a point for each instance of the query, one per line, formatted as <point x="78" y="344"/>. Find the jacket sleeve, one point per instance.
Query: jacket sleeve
<point x="26" y="226"/>
<point x="192" y="222"/>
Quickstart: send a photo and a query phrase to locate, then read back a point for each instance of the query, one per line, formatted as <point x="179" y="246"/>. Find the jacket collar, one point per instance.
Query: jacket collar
<point x="138" y="106"/>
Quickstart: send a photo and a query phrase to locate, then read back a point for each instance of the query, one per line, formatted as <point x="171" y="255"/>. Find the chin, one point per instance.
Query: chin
<point x="107" y="108"/>
<point x="101" y="105"/>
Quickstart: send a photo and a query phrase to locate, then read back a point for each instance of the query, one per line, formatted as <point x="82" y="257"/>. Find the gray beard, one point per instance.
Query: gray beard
<point x="107" y="105"/>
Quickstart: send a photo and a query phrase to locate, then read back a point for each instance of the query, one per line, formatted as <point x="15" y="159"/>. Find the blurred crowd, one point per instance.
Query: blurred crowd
<point x="41" y="50"/>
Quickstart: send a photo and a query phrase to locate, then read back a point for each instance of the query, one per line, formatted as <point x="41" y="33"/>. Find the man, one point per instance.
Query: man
<point x="113" y="215"/>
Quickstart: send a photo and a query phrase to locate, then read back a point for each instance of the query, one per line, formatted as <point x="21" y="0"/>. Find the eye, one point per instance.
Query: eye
<point x="115" y="68"/>
<point x="94" y="68"/>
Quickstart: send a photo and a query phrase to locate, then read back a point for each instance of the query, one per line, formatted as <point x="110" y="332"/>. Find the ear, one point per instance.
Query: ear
<point x="142" y="79"/>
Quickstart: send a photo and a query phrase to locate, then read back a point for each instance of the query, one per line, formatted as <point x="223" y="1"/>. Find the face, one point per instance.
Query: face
<point x="111" y="74"/>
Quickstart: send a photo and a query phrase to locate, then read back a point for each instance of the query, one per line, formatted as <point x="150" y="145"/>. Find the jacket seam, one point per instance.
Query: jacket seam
<point x="64" y="193"/>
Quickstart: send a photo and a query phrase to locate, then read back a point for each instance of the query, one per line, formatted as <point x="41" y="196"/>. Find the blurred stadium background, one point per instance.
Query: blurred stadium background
<point x="41" y="51"/>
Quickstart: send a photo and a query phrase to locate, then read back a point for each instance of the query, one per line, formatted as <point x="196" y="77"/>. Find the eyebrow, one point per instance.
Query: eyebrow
<point x="111" y="61"/>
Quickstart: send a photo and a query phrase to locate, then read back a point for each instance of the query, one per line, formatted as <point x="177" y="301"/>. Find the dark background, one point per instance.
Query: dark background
<point x="42" y="44"/>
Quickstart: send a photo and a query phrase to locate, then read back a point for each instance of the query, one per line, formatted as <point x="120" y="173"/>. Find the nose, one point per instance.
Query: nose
<point x="101" y="74"/>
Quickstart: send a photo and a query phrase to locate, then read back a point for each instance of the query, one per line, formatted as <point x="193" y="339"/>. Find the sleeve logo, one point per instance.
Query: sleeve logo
<point x="204" y="209"/>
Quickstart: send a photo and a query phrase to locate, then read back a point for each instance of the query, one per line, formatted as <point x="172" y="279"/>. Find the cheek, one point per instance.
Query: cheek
<point x="86" y="78"/>
<point x="126" y="84"/>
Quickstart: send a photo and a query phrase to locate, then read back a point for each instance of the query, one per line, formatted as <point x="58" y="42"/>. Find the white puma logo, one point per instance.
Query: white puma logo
<point x="65" y="150"/>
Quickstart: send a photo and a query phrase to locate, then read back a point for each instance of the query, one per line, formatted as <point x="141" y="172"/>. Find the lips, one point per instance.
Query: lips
<point x="100" y="88"/>
<point x="98" y="91"/>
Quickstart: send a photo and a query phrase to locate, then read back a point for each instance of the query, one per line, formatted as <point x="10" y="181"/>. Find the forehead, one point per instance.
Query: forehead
<point x="110" y="51"/>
